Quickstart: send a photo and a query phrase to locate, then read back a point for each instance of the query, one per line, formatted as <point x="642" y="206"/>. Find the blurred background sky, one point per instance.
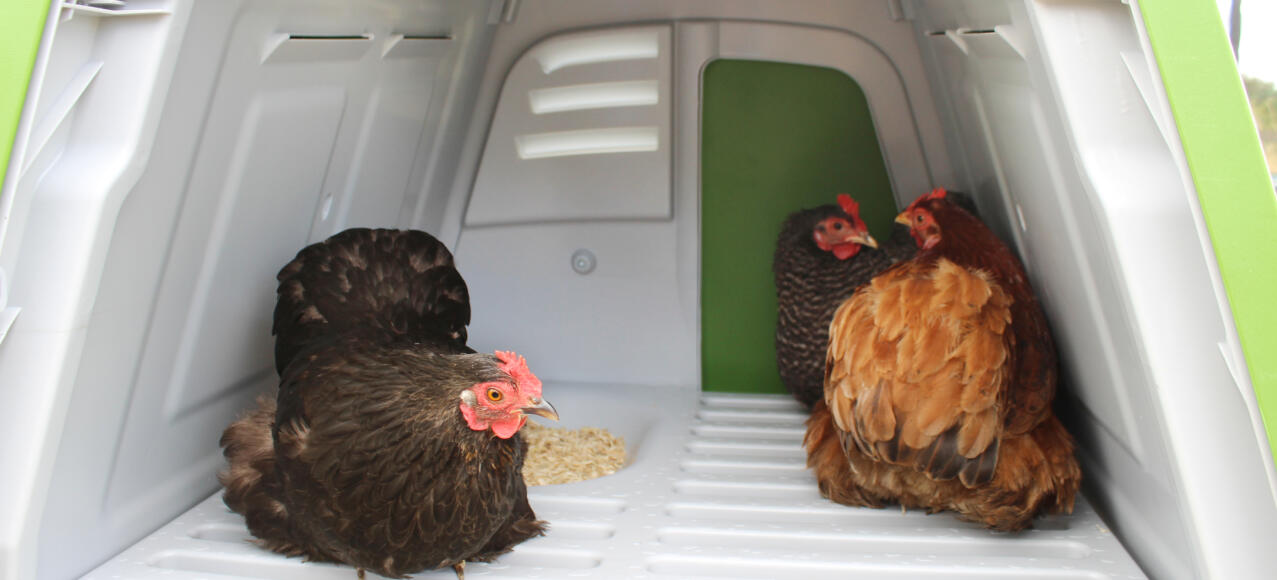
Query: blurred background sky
<point x="1257" y="61"/>
<point x="1258" y="50"/>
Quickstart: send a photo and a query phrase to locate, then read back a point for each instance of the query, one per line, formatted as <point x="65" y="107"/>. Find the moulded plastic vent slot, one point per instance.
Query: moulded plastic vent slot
<point x="594" y="96"/>
<point x="587" y="142"/>
<point x="300" y="47"/>
<point x="416" y="46"/>
<point x="580" y="50"/>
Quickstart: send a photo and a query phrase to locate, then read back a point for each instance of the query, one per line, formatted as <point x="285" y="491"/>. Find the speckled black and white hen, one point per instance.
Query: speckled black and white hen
<point x="818" y="263"/>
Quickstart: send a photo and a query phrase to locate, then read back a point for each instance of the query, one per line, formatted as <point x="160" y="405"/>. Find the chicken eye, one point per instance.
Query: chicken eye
<point x="494" y="395"/>
<point x="837" y="225"/>
<point x="919" y="218"/>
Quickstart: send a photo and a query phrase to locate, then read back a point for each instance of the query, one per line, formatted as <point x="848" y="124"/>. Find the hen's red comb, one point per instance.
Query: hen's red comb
<point x="849" y="206"/>
<point x="937" y="193"/>
<point x="516" y="367"/>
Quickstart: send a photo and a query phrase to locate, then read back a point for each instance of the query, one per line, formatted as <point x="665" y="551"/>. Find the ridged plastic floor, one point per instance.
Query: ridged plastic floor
<point x="716" y="488"/>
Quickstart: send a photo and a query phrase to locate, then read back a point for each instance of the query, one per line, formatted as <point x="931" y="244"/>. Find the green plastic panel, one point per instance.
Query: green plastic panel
<point x="1233" y="185"/>
<point x="775" y="138"/>
<point x="20" y="30"/>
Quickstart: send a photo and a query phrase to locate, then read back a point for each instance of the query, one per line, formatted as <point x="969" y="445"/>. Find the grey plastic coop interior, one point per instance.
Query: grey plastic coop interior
<point x="179" y="152"/>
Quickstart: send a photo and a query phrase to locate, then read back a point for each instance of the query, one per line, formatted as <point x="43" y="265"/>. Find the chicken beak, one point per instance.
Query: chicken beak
<point x="866" y="240"/>
<point x="903" y="218"/>
<point x="541" y="407"/>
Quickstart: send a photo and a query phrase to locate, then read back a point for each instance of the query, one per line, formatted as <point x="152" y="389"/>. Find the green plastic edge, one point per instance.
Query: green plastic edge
<point x="1226" y="161"/>
<point x="20" y="32"/>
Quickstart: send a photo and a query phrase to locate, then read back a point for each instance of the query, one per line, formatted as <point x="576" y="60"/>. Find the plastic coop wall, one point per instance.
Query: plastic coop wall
<point x="175" y="153"/>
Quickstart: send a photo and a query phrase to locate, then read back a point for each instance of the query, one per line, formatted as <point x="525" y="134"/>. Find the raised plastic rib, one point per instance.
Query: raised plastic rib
<point x="806" y="511"/>
<point x="594" y="96"/>
<point x="743" y="467"/>
<point x="556" y="504"/>
<point x="249" y="562"/>
<point x="746" y="567"/>
<point x="873" y="543"/>
<point x="579" y="530"/>
<point x="761" y="403"/>
<point x="751" y="432"/>
<point x="538" y="557"/>
<point x="749" y="416"/>
<point x="221" y="532"/>
<point x="587" y="142"/>
<point x="802" y="489"/>
<point x="558" y="53"/>
<point x="732" y="448"/>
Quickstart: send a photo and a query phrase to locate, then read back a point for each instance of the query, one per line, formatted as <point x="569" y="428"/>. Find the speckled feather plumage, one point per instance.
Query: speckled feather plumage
<point x="376" y="283"/>
<point x="810" y="285"/>
<point x="364" y="457"/>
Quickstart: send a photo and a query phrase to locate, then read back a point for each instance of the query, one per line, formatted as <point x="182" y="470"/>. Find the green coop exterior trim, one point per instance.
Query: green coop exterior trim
<point x="1224" y="155"/>
<point x="20" y="32"/>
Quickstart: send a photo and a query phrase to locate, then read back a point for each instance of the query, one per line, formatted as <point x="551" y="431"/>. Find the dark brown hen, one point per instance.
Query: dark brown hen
<point x="391" y="446"/>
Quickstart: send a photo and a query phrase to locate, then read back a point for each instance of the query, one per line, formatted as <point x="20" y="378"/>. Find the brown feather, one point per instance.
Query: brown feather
<point x="939" y="380"/>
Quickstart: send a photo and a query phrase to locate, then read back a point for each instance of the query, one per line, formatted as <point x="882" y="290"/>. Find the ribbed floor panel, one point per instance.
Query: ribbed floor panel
<point x="716" y="487"/>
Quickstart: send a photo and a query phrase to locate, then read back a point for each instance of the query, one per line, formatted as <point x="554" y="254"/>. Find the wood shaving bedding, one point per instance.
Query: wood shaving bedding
<point x="558" y="455"/>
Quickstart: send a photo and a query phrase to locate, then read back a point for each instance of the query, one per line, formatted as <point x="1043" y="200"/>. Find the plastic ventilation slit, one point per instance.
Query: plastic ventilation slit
<point x="400" y="46"/>
<point x="594" y="96"/>
<point x="296" y="47"/>
<point x="559" y="53"/>
<point x="587" y="142"/>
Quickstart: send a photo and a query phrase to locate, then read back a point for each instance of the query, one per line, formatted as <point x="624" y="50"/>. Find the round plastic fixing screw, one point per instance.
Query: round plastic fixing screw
<point x="583" y="261"/>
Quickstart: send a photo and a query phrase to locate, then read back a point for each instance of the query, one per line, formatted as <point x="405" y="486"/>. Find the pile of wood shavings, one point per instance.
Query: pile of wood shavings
<point x="557" y="455"/>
